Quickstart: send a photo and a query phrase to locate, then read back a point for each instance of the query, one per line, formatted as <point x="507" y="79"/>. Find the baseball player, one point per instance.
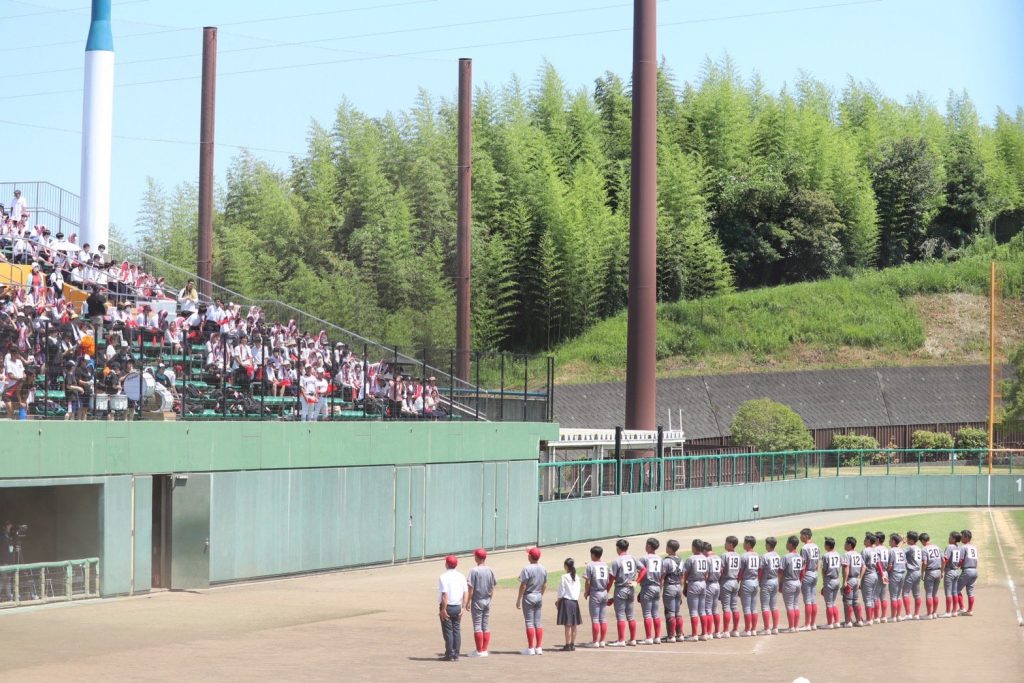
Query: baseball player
<point x="932" y="570"/>
<point x="951" y="573"/>
<point x="671" y="591"/>
<point x="881" y="597"/>
<point x="712" y="591"/>
<point x="771" y="563"/>
<point x="750" y="570"/>
<point x="533" y="581"/>
<point x="478" y="601"/>
<point x="968" y="570"/>
<point x="810" y="553"/>
<point x="650" y="592"/>
<point x="897" y="569"/>
<point x="871" y="575"/>
<point x="695" y="576"/>
<point x="730" y="588"/>
<point x="596" y="579"/>
<point x="789" y="575"/>
<point x="626" y="571"/>
<point x="831" y="576"/>
<point x="852" y="563"/>
<point x="912" y="583"/>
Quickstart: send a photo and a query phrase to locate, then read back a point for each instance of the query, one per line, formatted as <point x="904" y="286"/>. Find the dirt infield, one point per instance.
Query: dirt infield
<point x="381" y="625"/>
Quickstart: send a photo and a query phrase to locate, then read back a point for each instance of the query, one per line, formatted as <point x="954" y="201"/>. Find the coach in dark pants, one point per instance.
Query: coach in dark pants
<point x="452" y="589"/>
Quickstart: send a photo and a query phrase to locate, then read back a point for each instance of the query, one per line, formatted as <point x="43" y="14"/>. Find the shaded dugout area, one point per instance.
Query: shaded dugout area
<point x="63" y="522"/>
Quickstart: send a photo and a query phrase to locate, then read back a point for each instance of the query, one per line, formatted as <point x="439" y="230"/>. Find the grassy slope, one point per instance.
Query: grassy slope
<point x="919" y="313"/>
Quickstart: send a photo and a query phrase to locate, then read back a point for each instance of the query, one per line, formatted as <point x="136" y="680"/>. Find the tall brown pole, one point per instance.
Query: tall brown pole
<point x="207" y="118"/>
<point x="642" y="304"/>
<point x="464" y="217"/>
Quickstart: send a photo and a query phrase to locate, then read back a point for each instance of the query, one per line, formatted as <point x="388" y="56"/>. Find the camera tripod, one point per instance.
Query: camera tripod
<point x="8" y="582"/>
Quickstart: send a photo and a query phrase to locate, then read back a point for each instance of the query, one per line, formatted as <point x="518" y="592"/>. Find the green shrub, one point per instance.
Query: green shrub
<point x="928" y="440"/>
<point x="969" y="437"/>
<point x="855" y="442"/>
<point x="769" y="426"/>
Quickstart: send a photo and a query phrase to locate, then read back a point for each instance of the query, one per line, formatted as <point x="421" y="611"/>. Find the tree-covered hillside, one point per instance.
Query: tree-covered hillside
<point x="756" y="188"/>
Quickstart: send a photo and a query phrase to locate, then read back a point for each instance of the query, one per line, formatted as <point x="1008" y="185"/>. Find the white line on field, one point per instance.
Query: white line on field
<point x="1006" y="568"/>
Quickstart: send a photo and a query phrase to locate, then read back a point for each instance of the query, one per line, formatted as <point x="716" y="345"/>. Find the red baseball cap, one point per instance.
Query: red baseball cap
<point x="480" y="554"/>
<point x="534" y="553"/>
<point x="451" y="562"/>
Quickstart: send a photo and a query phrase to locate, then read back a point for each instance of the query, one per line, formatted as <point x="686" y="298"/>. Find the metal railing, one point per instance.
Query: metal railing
<point x="42" y="582"/>
<point x="47" y="203"/>
<point x="610" y="476"/>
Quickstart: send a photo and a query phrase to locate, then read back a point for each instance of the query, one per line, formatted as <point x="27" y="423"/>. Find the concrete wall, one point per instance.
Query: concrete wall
<point x="567" y="521"/>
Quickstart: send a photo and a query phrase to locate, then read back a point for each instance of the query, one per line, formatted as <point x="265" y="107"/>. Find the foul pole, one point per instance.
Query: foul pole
<point x="991" y="364"/>
<point x="642" y="304"/>
<point x="97" y="127"/>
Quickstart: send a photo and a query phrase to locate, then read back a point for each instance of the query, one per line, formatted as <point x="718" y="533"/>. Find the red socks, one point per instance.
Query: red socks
<point x="670" y="626"/>
<point x="735" y="621"/>
<point x="727" y="620"/>
<point x="775" y="618"/>
<point x="718" y="622"/>
<point x="632" y="629"/>
<point x="604" y="632"/>
<point x="693" y="626"/>
<point x="595" y="632"/>
<point x="621" y="625"/>
<point x="657" y="627"/>
<point x="970" y="604"/>
<point x="540" y="636"/>
<point x="648" y="627"/>
<point x="478" y="638"/>
<point x="487" y="640"/>
<point x="885" y="608"/>
<point x="531" y="638"/>
<point x="766" y="618"/>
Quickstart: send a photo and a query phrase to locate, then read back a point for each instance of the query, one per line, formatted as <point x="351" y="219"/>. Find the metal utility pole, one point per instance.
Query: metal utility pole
<point x="207" y="119"/>
<point x="464" y="216"/>
<point x="642" y="304"/>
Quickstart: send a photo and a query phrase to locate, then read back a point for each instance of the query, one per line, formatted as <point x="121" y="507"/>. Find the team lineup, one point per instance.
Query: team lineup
<point x="887" y="580"/>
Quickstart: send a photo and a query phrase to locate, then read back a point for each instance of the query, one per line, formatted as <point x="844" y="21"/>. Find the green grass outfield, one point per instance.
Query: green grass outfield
<point x="937" y="524"/>
<point x="1018" y="519"/>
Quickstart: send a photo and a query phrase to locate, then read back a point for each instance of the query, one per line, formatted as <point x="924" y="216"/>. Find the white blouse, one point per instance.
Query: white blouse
<point x="569" y="587"/>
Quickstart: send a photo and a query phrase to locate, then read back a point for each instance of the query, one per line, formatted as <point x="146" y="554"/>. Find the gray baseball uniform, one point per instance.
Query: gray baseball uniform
<point x="882" y="556"/>
<point x="952" y="570"/>
<point x="650" y="587"/>
<point x="730" y="581"/>
<point x="931" y="569"/>
<point x="695" y="569"/>
<point x="968" y="567"/>
<point x="792" y="565"/>
<point x="897" y="568"/>
<point x="750" y="563"/>
<point x="625" y="569"/>
<point x="712" y="588"/>
<point x="770" y="565"/>
<point x="811" y="555"/>
<point x="534" y="577"/>
<point x="869" y="584"/>
<point x="853" y="562"/>
<point x="481" y="580"/>
<point x="598" y="577"/>
<point x="671" y="595"/>
<point x="913" y="557"/>
<point x="831" y="575"/>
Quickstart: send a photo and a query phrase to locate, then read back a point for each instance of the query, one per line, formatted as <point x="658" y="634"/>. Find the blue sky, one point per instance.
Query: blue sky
<point x="382" y="51"/>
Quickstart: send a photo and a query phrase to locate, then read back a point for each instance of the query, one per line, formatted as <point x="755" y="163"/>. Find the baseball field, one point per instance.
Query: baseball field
<point x="381" y="624"/>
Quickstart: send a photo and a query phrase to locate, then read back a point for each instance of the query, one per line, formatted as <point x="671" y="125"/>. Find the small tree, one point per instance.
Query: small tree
<point x="969" y="437"/>
<point x="770" y="426"/>
<point x="853" y="444"/>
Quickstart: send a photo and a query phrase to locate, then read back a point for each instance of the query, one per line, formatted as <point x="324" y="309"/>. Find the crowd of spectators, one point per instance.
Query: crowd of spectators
<point x="89" y="348"/>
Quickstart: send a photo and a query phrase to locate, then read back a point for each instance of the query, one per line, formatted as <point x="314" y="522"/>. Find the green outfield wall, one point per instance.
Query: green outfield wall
<point x="567" y="521"/>
<point x="254" y="500"/>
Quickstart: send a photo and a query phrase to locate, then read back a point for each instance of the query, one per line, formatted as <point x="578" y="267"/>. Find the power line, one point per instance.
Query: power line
<point x="55" y="10"/>
<point x="476" y="46"/>
<point x="318" y="43"/>
<point x="173" y="29"/>
<point x="133" y="138"/>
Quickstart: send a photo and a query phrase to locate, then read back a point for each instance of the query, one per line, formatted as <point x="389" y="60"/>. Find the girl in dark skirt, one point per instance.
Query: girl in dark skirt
<point x="569" y="605"/>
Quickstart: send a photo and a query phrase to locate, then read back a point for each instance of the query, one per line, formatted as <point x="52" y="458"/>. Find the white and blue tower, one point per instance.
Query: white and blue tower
<point x="97" y="128"/>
